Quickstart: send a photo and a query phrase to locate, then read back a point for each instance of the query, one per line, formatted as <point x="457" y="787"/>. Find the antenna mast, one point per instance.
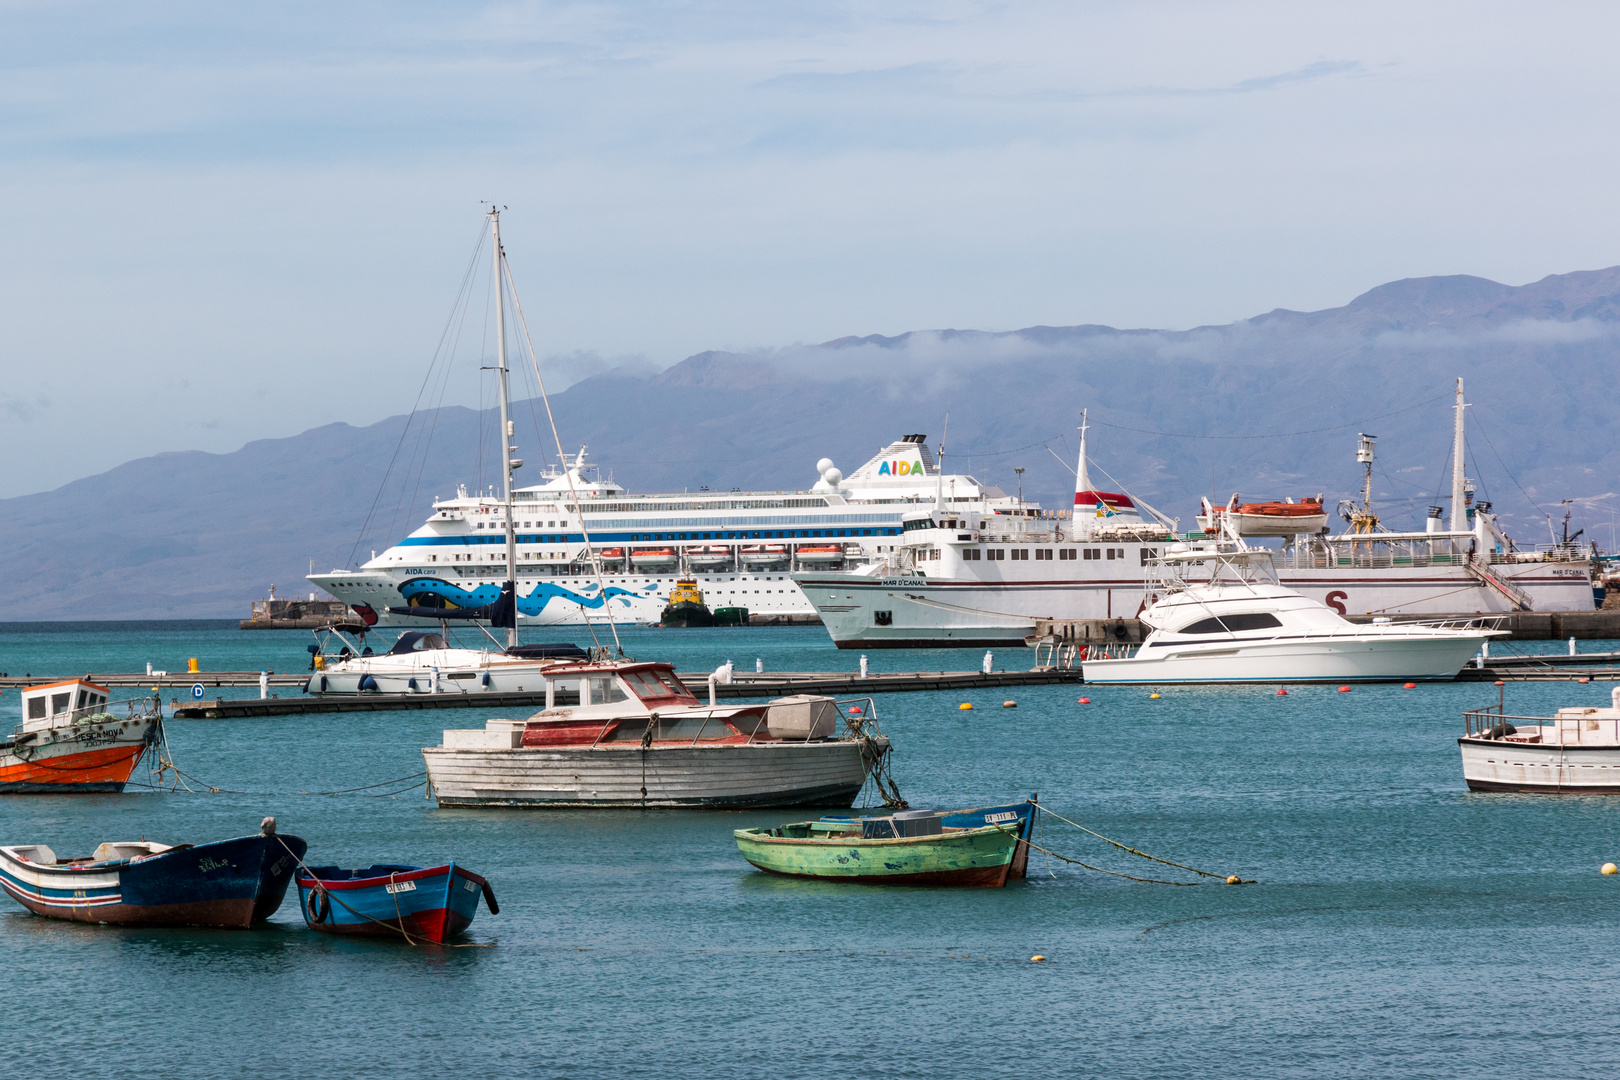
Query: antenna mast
<point x="1458" y="496"/>
<point x="508" y="462"/>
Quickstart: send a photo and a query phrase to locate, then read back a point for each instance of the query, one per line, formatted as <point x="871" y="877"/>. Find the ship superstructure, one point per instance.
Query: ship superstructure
<point x="963" y="579"/>
<point x="740" y="546"/>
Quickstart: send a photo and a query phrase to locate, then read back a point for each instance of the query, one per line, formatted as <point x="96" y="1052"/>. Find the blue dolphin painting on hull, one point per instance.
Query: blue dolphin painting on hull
<point x="532" y="604"/>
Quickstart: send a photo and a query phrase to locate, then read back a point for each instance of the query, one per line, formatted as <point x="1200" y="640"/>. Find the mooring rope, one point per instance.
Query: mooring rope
<point x="416" y="781"/>
<point x="1143" y="854"/>
<point x="1230" y="879"/>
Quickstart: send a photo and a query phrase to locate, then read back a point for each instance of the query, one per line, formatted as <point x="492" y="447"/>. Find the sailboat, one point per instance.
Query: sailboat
<point x="424" y="661"/>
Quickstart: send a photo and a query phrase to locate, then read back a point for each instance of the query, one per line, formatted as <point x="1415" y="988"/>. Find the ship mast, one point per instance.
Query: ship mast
<point x="1458" y="498"/>
<point x="508" y="461"/>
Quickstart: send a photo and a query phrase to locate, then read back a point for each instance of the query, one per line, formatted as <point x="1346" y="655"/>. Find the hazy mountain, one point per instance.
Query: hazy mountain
<point x="194" y="534"/>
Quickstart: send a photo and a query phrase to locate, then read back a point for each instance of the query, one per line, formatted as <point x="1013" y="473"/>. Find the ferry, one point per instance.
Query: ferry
<point x="741" y="547"/>
<point x="959" y="578"/>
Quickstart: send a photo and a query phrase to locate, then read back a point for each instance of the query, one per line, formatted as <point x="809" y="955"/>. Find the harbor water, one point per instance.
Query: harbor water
<point x="1398" y="924"/>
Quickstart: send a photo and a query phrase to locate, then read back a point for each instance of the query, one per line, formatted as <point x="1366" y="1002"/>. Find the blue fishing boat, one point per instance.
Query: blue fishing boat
<point x="387" y="900"/>
<point x="230" y="883"/>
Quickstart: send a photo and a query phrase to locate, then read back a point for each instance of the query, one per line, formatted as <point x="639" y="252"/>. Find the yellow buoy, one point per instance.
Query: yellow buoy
<point x="964" y="705"/>
<point x="1233" y="879"/>
<point x="1154" y="694"/>
<point x="1610" y="868"/>
<point x="1037" y="959"/>
<point x="1009" y="704"/>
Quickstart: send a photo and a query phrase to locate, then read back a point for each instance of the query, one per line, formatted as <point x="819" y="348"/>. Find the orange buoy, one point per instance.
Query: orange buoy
<point x="1411" y="686"/>
<point x="1344" y="689"/>
<point x="1085" y="701"/>
<point x="1281" y="692"/>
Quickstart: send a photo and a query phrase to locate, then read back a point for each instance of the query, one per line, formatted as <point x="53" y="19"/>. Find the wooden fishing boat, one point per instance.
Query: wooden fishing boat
<point x="72" y="740"/>
<point x="1574" y="751"/>
<point x="231" y="883"/>
<point x="632" y="735"/>
<point x="432" y="903"/>
<point x="983" y="847"/>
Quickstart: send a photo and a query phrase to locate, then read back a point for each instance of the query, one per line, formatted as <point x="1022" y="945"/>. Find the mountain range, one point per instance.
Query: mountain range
<point x="1267" y="407"/>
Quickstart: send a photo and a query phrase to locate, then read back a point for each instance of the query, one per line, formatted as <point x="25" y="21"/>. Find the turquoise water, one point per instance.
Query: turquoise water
<point x="1400" y="926"/>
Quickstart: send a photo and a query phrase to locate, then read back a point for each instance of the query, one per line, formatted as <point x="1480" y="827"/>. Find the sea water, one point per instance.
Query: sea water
<point x="1398" y="925"/>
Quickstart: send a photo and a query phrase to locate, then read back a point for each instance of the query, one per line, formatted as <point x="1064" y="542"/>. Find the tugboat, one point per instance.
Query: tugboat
<point x="686" y="607"/>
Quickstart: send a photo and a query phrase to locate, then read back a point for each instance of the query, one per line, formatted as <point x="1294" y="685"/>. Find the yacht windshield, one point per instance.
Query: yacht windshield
<point x="1227" y="624"/>
<point x="416" y="641"/>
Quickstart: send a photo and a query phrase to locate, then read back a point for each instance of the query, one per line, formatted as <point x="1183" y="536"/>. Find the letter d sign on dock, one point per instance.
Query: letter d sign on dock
<point x="197" y="691"/>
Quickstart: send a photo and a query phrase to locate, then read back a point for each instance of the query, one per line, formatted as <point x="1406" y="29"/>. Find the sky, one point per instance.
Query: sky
<point x="228" y="222"/>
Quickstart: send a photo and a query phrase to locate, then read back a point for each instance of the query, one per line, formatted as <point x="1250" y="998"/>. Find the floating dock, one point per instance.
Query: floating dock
<point x="836" y="683"/>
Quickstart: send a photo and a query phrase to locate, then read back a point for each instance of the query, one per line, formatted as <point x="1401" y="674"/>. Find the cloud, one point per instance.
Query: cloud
<point x="21" y="410"/>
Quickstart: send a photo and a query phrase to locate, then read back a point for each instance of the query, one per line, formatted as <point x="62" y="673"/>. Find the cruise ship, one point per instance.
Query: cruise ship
<point x="742" y="547"/>
<point x="964" y="579"/>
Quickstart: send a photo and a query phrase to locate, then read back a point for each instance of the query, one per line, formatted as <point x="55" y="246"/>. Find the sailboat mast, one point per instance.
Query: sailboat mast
<point x="508" y="461"/>
<point x="1458" y="518"/>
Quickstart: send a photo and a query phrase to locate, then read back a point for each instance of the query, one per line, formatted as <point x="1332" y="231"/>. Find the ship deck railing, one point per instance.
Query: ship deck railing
<point x="1568" y="730"/>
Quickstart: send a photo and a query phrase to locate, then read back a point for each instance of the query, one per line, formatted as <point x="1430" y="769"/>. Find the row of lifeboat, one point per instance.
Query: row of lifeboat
<point x="716" y="556"/>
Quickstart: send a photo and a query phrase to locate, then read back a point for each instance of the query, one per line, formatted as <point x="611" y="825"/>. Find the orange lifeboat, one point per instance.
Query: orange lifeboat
<point x="821" y="554"/>
<point x="1276" y="518"/>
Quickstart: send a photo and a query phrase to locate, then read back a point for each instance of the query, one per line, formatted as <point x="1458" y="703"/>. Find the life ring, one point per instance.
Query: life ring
<point x="317" y="905"/>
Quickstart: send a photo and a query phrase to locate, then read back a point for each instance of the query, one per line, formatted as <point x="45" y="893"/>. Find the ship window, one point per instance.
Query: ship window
<point x="564" y="692"/>
<point x="1148" y="555"/>
<point x="995" y="553"/>
<point x="1043" y="553"/>
<point x="1021" y="553"/>
<point x="1257" y="620"/>
<point x="1093" y="553"/>
<point x="59" y="702"/>
<point x="605" y="690"/>
<point x="1110" y="553"/>
<point x="36" y="708"/>
<point x="970" y="554"/>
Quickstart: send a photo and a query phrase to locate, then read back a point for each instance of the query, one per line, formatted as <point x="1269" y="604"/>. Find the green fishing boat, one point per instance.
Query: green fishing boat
<point x="968" y="847"/>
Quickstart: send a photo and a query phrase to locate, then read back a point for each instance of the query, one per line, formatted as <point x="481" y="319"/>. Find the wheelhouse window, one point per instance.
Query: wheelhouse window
<point x="606" y="690"/>
<point x="1231" y="624"/>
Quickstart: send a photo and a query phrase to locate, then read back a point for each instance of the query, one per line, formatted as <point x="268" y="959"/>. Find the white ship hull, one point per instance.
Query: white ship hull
<point x="757" y="775"/>
<point x="868" y="612"/>
<point x="1354" y="660"/>
<point x="549" y="601"/>
<point x="1499" y="765"/>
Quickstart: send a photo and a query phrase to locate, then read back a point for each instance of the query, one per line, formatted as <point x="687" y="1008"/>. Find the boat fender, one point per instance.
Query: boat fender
<point x="485" y="680"/>
<point x="412" y="683"/>
<point x="489" y="899"/>
<point x="317" y="905"/>
<point x="368" y="683"/>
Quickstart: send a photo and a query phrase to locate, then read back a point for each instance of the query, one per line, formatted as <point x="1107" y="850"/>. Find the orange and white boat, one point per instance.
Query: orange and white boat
<point x="70" y="740"/>
<point x="756" y="555"/>
<point x="821" y="554"/>
<point x="1276" y="518"/>
<point x="659" y="558"/>
<point x="708" y="556"/>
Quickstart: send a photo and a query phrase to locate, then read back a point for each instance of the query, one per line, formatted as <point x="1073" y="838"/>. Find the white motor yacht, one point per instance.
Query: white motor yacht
<point x="1221" y="616"/>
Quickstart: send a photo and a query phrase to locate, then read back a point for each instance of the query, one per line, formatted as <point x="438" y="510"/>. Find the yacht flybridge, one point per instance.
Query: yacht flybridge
<point x="959" y="578"/>
<point x="1222" y="616"/>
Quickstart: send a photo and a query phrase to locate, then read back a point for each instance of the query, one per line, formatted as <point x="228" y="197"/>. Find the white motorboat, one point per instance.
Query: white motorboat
<point x="631" y="734"/>
<point x="424" y="662"/>
<point x="1576" y="750"/>
<point x="1237" y="624"/>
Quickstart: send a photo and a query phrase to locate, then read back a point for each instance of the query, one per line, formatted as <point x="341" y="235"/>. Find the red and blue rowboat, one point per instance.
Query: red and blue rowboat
<point x="231" y="883"/>
<point x="389" y="900"/>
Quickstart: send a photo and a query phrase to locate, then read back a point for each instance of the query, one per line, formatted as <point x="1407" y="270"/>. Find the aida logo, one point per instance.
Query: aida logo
<point x="901" y="468"/>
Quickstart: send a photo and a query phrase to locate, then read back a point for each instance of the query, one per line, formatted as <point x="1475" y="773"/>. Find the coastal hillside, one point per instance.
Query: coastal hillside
<point x="1270" y="406"/>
